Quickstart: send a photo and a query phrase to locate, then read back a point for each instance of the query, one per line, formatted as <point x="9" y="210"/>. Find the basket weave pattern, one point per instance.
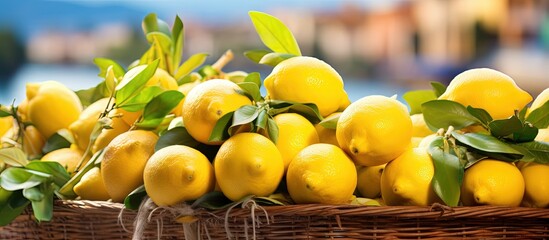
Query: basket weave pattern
<point x="100" y="220"/>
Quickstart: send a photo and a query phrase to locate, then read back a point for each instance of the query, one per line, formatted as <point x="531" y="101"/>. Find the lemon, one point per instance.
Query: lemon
<point x="326" y="135"/>
<point x="321" y="173"/>
<point x="374" y="130"/>
<point x="541" y="99"/>
<point x="492" y="182"/>
<point x="207" y="103"/>
<point x="33" y="142"/>
<point x="185" y="89"/>
<point x="369" y="181"/>
<point x="177" y="173"/>
<point x="118" y="127"/>
<point x="67" y="157"/>
<point x="52" y="106"/>
<point x="543" y="135"/>
<point x="487" y="89"/>
<point x="124" y="161"/>
<point x="307" y="80"/>
<point x="248" y="164"/>
<point x="5" y="124"/>
<point x="295" y="133"/>
<point x="82" y="128"/>
<point x="91" y="186"/>
<point x="23" y="109"/>
<point x="407" y="179"/>
<point x="536" y="182"/>
<point x="419" y="127"/>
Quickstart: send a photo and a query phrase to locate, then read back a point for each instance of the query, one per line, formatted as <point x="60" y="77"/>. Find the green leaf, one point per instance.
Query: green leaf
<point x="213" y="201"/>
<point x="14" y="178"/>
<point x="537" y="150"/>
<point x="190" y="64"/>
<point x="253" y="77"/>
<point x="244" y="115"/>
<point x="539" y="117"/>
<point x="448" y="173"/>
<point x="104" y="63"/>
<point x="11" y="211"/>
<point x="251" y="90"/>
<point x="273" y="59"/>
<point x="444" y="113"/>
<point x="4" y="113"/>
<point x="505" y="127"/>
<point x="13" y="156"/>
<point x="256" y="55"/>
<point x="272" y="130"/>
<point x="307" y="110"/>
<point x="261" y="121"/>
<point x="56" y="141"/>
<point x="220" y="131"/>
<point x="438" y="88"/>
<point x="134" y="199"/>
<point x="418" y="97"/>
<point x="164" y="40"/>
<point x="488" y="145"/>
<point x="33" y="194"/>
<point x="482" y="115"/>
<point x="178" y="38"/>
<point x="67" y="192"/>
<point x="132" y="84"/>
<point x="175" y="136"/>
<point x="330" y="122"/>
<point x="90" y="95"/>
<point x="266" y="201"/>
<point x="141" y="99"/>
<point x="43" y="208"/>
<point x="59" y="174"/>
<point x="526" y="134"/>
<point x="522" y="113"/>
<point x="151" y="24"/>
<point x="208" y="71"/>
<point x="274" y="34"/>
<point x="158" y="108"/>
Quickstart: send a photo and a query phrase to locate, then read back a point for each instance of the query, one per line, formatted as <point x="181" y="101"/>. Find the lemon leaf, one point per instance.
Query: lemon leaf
<point x="539" y="117"/>
<point x="488" y="145"/>
<point x="254" y="77"/>
<point x="56" y="141"/>
<point x="158" y="108"/>
<point x="448" y="173"/>
<point x="164" y="40"/>
<point x="505" y="127"/>
<point x="134" y="83"/>
<point x="307" y="110"/>
<point x="267" y="201"/>
<point x="104" y="63"/>
<point x="273" y="59"/>
<point x="262" y="118"/>
<point x="482" y="115"/>
<point x="220" y="131"/>
<point x="41" y="208"/>
<point x="537" y="151"/>
<point x="444" y="113"/>
<point x="13" y="156"/>
<point x="190" y="64"/>
<point x="526" y="134"/>
<point x="14" y="206"/>
<point x="175" y="136"/>
<point x="438" y="88"/>
<point x="134" y="199"/>
<point x="274" y="34"/>
<point x="213" y="201"/>
<point x="207" y="71"/>
<point x="16" y="178"/>
<point x="244" y="115"/>
<point x="256" y="55"/>
<point x="418" y="97"/>
<point x="4" y="112"/>
<point x="58" y="173"/>
<point x="66" y="191"/>
<point x="272" y="130"/>
<point x="152" y="24"/>
<point x="251" y="90"/>
<point x="90" y="95"/>
<point x="33" y="194"/>
<point x="178" y="40"/>
<point x="139" y="101"/>
<point x="330" y="122"/>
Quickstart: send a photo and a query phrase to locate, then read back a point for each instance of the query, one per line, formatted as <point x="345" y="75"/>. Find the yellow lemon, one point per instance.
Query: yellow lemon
<point x="5" y="124"/>
<point x="185" y="89"/>
<point x="543" y="135"/>
<point x="492" y="182"/>
<point x="536" y="181"/>
<point x="91" y="186"/>
<point x="374" y="130"/>
<point x="118" y="127"/>
<point x="321" y="173"/>
<point x="248" y="164"/>
<point x="124" y="161"/>
<point x="67" y="157"/>
<point x="295" y="133"/>
<point x="369" y="181"/>
<point x="407" y="179"/>
<point x="207" y="103"/>
<point x="177" y="173"/>
<point x="82" y="128"/>
<point x="488" y="89"/>
<point x="420" y="128"/>
<point x="307" y="80"/>
<point x="22" y="110"/>
<point x="326" y="135"/>
<point x="33" y="142"/>
<point x="52" y="106"/>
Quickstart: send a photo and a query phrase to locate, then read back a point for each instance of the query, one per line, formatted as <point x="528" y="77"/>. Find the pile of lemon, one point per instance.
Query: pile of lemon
<point x="377" y="151"/>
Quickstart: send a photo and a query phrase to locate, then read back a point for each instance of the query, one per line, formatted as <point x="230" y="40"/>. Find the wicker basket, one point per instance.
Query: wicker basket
<point x="100" y="220"/>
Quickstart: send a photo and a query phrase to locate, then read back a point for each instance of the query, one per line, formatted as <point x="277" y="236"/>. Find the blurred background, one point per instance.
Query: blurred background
<point x="379" y="47"/>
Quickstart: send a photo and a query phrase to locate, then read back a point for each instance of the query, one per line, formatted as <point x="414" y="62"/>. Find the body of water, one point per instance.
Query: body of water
<point x="82" y="77"/>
